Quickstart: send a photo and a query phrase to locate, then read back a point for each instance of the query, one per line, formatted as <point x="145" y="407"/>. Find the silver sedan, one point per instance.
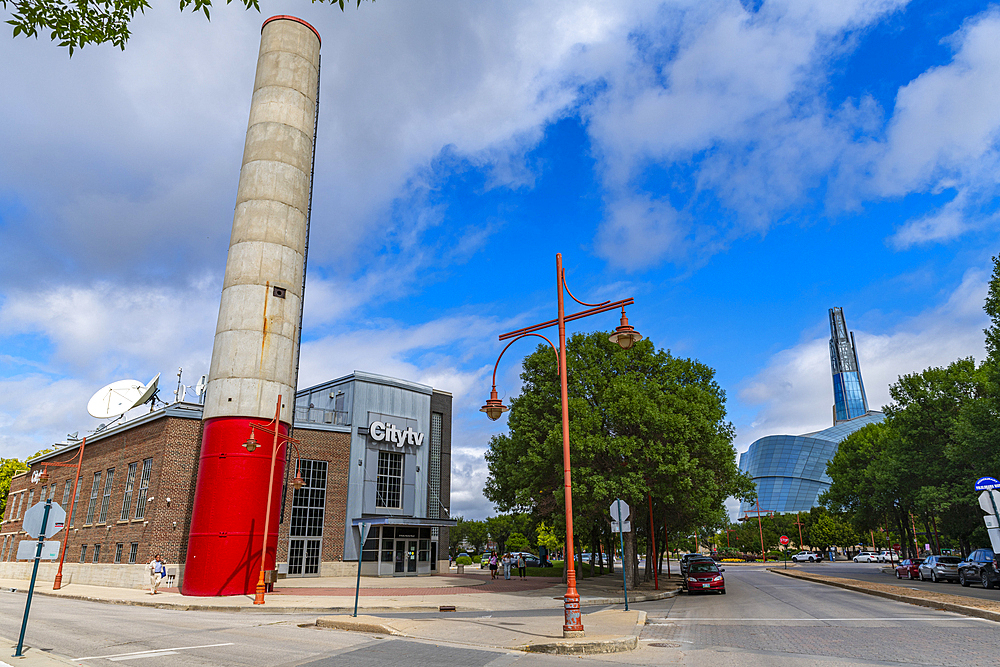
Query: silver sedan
<point x="939" y="568"/>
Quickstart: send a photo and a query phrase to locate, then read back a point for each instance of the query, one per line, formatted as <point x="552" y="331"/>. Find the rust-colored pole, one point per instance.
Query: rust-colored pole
<point x="573" y="623"/>
<point x="259" y="598"/>
<point x="937" y="540"/>
<point x="760" y="527"/>
<point x="652" y="536"/>
<point x="57" y="583"/>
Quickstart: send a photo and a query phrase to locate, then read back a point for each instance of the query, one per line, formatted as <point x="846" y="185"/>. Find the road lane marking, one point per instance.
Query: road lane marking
<point x="144" y="653"/>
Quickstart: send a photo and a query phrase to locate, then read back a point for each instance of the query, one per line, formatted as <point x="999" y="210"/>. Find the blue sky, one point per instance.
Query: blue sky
<point x="736" y="168"/>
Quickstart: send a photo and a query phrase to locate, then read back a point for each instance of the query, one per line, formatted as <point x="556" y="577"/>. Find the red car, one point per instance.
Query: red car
<point x="705" y="576"/>
<point x="909" y="568"/>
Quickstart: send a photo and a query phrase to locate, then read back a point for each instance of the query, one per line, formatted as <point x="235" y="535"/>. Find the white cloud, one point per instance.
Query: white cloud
<point x="795" y="392"/>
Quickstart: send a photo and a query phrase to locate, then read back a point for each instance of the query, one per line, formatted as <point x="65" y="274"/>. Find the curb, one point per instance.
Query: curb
<point x="590" y="646"/>
<point x="367" y="624"/>
<point x="645" y="597"/>
<point x="965" y="610"/>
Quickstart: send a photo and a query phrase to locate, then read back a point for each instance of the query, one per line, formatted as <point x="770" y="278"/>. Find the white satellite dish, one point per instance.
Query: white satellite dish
<point x="147" y="391"/>
<point x="115" y="399"/>
<point x="199" y="388"/>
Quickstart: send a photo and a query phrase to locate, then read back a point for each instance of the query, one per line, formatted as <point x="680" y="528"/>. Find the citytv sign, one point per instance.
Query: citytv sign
<point x="386" y="432"/>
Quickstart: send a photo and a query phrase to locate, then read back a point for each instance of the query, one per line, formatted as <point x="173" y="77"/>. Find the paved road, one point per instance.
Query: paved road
<point x="871" y="572"/>
<point x="764" y="620"/>
<point x="767" y="619"/>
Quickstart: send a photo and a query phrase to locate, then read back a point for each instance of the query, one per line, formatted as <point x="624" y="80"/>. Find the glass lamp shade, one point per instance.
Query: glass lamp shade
<point x="44" y="477"/>
<point x="624" y="334"/>
<point x="494" y="408"/>
<point x="298" y="482"/>
<point x="250" y="444"/>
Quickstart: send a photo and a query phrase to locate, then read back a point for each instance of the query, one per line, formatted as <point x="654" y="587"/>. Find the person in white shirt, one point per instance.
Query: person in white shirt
<point x="157" y="570"/>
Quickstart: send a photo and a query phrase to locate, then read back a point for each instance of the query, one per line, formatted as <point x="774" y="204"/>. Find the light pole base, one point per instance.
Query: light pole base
<point x="573" y="625"/>
<point x="57" y="583"/>
<point x="573" y="633"/>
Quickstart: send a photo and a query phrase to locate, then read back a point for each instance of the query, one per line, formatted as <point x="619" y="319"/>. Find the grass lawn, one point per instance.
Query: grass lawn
<point x="557" y="571"/>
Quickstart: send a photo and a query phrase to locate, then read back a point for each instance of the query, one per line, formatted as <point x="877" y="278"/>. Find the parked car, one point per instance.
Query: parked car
<point x="887" y="557"/>
<point x="704" y="575"/>
<point x="807" y="556"/>
<point x="939" y="568"/>
<point x="866" y="557"/>
<point x="687" y="559"/>
<point x="980" y="566"/>
<point x="597" y="558"/>
<point x="909" y="568"/>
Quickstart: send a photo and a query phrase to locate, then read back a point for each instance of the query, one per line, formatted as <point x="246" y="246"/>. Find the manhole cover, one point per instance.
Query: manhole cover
<point x="664" y="645"/>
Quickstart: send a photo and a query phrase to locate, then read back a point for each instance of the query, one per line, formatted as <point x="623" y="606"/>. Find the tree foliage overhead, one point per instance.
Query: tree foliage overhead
<point x="77" y="24"/>
<point x="642" y="423"/>
<point x="8" y="468"/>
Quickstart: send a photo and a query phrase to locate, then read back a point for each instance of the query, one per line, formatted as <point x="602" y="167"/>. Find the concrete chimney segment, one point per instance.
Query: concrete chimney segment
<point x="256" y="340"/>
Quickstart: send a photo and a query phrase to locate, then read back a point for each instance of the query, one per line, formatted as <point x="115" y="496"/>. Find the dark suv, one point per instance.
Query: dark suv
<point x="981" y="565"/>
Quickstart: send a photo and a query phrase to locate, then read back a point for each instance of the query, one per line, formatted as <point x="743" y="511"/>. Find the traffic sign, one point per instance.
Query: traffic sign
<point x="625" y="510"/>
<point x="784" y="540"/>
<point x="32" y="523"/>
<point x="984" y="483"/>
<point x="26" y="550"/>
<point x="619" y="527"/>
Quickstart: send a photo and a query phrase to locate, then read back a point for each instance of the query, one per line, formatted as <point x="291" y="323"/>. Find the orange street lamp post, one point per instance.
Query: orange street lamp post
<point x="297" y="483"/>
<point x="57" y="583"/>
<point x="625" y="336"/>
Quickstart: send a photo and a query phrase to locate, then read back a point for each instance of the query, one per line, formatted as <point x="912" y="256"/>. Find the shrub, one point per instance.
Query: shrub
<point x="463" y="560"/>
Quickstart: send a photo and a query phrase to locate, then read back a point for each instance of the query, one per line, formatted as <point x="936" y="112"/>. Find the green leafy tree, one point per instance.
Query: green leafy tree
<point x="642" y="423"/>
<point x="517" y="542"/>
<point x="77" y="24"/>
<point x="8" y="468"/>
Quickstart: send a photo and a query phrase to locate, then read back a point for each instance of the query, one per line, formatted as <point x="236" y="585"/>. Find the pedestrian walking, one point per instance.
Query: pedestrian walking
<point x="522" y="569"/>
<point x="506" y="561"/>
<point x="157" y="572"/>
<point x="493" y="565"/>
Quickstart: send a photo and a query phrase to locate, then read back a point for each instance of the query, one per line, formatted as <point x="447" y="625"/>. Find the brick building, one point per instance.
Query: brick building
<point x="137" y="484"/>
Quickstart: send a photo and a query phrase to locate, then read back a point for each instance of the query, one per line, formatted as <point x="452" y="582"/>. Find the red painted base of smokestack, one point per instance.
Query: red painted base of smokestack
<point x="227" y="522"/>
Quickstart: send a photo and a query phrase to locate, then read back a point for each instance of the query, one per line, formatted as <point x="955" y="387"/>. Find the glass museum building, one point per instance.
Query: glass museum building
<point x="790" y="470"/>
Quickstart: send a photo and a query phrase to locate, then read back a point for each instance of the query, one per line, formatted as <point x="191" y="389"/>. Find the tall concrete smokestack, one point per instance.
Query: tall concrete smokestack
<point x="255" y="357"/>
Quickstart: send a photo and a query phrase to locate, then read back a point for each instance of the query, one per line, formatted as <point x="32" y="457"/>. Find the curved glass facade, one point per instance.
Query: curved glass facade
<point x="790" y="470"/>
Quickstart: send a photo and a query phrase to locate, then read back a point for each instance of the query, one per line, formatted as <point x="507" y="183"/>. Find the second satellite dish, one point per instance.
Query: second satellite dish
<point x="119" y="397"/>
<point x="115" y="399"/>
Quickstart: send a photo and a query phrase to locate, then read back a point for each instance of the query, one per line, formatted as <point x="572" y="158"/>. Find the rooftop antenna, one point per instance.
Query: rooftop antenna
<point x="199" y="389"/>
<point x="117" y="398"/>
<point x="181" y="390"/>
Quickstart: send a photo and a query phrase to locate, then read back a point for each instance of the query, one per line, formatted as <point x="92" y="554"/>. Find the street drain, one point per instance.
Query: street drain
<point x="664" y="645"/>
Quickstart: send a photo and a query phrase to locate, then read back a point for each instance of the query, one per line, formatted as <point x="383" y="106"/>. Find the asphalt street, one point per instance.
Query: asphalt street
<point x="871" y="572"/>
<point x="765" y="619"/>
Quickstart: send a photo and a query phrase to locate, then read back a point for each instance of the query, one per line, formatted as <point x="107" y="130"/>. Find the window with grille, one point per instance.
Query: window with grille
<point x="52" y="491"/>
<point x="127" y="499"/>
<point x="140" y="501"/>
<point x="83" y="553"/>
<point x="118" y="552"/>
<point x="20" y="505"/>
<point x="95" y="491"/>
<point x="389" y="481"/>
<point x="41" y="493"/>
<point x="66" y="491"/>
<point x="31" y="499"/>
<point x="97" y="553"/>
<point x="434" y="471"/>
<point x="76" y="503"/>
<point x="309" y="502"/>
<point x="133" y="551"/>
<point x="106" y="500"/>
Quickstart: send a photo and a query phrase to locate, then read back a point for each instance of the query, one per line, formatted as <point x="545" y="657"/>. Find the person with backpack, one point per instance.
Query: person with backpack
<point x="157" y="573"/>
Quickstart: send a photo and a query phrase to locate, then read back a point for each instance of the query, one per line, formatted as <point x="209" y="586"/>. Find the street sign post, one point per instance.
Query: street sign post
<point x="43" y="526"/>
<point x="988" y="503"/>
<point x="784" y="542"/>
<point x="33" y="520"/>
<point x="26" y="550"/>
<point x="357" y="587"/>
<point x="620" y="512"/>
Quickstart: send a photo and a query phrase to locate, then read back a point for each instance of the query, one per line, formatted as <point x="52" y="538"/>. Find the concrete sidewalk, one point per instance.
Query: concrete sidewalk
<point x="468" y="592"/>
<point x="32" y="657"/>
<point x="607" y="631"/>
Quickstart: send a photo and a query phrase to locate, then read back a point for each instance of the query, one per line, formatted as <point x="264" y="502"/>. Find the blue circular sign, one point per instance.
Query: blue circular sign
<point x="985" y="483"/>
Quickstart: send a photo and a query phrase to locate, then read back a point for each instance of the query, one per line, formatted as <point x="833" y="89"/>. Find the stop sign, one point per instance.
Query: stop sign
<point x="784" y="540"/>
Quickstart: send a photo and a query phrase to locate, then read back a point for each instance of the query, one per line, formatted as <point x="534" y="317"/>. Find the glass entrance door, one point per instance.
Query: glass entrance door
<point x="411" y="557"/>
<point x="400" y="557"/>
<point x="406" y="557"/>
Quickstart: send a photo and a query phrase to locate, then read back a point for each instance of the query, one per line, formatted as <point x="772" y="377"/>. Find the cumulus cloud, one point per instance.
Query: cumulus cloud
<point x="794" y="391"/>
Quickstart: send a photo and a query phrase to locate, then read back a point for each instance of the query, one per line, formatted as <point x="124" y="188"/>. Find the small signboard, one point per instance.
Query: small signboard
<point x="26" y="550"/>
<point x="622" y="506"/>
<point x="619" y="527"/>
<point x="984" y="483"/>
<point x="32" y="523"/>
<point x="784" y="540"/>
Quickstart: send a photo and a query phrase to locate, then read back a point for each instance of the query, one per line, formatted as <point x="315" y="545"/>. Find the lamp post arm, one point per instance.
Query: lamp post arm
<point x="497" y="364"/>
<point x="582" y="303"/>
<point x="603" y="308"/>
